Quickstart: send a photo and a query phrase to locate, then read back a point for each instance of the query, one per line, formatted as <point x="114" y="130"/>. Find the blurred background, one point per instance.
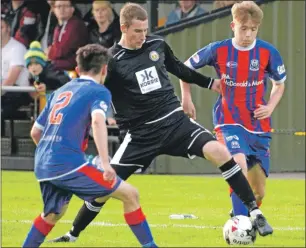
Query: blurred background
<point x="61" y="27"/>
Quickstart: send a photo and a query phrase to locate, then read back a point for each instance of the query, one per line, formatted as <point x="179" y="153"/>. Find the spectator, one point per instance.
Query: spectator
<point x="222" y="4"/>
<point x="23" y="22"/>
<point x="13" y="73"/>
<point x="43" y="75"/>
<point x="70" y="34"/>
<point x="48" y="29"/>
<point x="186" y="9"/>
<point x="104" y="29"/>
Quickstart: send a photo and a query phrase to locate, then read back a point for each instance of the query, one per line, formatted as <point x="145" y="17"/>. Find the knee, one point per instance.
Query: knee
<point x="52" y="218"/>
<point x="132" y="195"/>
<point x="216" y="152"/>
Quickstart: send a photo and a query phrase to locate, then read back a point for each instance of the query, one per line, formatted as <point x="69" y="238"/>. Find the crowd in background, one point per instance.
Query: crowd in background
<point x="39" y="40"/>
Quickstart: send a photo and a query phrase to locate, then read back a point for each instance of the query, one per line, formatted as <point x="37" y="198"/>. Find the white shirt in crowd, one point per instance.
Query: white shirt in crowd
<point x="12" y="54"/>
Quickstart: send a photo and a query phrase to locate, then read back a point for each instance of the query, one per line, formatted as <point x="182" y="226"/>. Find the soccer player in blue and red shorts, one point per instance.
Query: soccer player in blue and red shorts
<point x="242" y="117"/>
<point x="60" y="163"/>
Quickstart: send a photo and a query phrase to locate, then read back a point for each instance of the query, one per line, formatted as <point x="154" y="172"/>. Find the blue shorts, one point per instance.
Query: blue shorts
<point x="256" y="147"/>
<point x="87" y="183"/>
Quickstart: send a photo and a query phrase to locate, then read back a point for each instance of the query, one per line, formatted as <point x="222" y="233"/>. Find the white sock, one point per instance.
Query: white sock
<point x="254" y="213"/>
<point x="72" y="238"/>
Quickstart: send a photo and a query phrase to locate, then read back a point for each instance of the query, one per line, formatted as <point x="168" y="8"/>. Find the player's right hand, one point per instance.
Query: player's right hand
<point x="109" y="173"/>
<point x="189" y="108"/>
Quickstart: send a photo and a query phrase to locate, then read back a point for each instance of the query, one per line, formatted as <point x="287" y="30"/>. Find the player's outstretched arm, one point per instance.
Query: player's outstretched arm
<point x="183" y="72"/>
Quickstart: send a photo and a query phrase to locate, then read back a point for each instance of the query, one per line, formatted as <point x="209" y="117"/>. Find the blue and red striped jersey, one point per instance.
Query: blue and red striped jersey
<point x="244" y="73"/>
<point x="65" y="122"/>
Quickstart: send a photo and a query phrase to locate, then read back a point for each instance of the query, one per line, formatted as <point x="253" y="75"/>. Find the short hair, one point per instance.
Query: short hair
<point x="131" y="11"/>
<point x="243" y="11"/>
<point x="104" y="4"/>
<point x="91" y="58"/>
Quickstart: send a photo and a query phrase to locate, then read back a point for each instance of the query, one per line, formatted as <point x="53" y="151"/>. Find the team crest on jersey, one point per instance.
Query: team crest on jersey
<point x="254" y="66"/>
<point x="154" y="56"/>
<point x="103" y="105"/>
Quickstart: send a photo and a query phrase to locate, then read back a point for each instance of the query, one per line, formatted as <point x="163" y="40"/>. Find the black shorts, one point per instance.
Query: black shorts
<point x="175" y="135"/>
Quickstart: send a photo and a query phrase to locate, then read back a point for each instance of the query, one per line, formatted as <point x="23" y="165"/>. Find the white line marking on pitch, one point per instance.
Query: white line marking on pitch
<point x="108" y="224"/>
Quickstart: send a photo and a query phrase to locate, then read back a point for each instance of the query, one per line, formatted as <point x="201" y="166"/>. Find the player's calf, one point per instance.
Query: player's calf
<point x="133" y="214"/>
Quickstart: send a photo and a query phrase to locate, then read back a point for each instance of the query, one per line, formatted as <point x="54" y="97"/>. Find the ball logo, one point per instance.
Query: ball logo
<point x="154" y="56"/>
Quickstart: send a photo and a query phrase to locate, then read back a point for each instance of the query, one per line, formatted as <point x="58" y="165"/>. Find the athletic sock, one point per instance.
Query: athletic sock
<point x="140" y="227"/>
<point x="37" y="233"/>
<point x="232" y="173"/>
<point x="87" y="213"/>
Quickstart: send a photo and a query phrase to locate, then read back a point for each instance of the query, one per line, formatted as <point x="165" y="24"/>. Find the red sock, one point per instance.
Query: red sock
<point x="135" y="217"/>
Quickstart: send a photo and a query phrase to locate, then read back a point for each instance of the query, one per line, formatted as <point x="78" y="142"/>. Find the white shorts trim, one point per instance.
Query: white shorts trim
<point x="236" y="124"/>
<point x="118" y="155"/>
<point x="65" y="174"/>
<point x="172" y="112"/>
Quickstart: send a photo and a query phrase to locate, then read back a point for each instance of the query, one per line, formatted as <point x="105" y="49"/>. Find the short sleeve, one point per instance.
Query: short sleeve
<point x="101" y="103"/>
<point x="203" y="57"/>
<point x="276" y="68"/>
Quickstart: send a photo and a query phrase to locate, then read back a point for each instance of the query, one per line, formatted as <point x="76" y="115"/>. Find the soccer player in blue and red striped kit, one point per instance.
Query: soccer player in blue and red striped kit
<point x="242" y="117"/>
<point x="60" y="163"/>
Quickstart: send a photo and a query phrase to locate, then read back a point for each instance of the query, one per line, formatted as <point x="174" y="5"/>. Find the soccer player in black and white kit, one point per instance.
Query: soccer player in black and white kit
<point x="146" y="106"/>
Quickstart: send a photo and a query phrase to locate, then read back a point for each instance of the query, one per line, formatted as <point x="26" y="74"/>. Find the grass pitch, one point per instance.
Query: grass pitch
<point x="205" y="197"/>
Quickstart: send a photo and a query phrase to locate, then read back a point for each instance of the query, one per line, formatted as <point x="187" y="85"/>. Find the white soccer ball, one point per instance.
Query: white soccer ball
<point x="239" y="231"/>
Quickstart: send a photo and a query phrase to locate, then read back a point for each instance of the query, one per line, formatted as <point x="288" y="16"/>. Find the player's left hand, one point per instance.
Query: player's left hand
<point x="216" y="86"/>
<point x="262" y="112"/>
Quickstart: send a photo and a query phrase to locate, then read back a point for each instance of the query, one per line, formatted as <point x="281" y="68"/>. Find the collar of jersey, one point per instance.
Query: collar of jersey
<point x="240" y="48"/>
<point x="88" y="78"/>
<point x="132" y="49"/>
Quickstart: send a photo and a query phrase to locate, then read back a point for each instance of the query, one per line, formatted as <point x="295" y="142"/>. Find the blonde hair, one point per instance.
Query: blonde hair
<point x="132" y="11"/>
<point x="104" y="4"/>
<point x="246" y="10"/>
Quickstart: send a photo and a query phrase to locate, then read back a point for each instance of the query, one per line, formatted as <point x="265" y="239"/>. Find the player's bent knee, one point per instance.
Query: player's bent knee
<point x="126" y="193"/>
<point x="216" y="152"/>
<point x="53" y="218"/>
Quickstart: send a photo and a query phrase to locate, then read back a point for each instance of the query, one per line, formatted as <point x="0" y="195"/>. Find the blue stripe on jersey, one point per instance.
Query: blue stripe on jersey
<point x="230" y="90"/>
<point x="235" y="112"/>
<point x="254" y="88"/>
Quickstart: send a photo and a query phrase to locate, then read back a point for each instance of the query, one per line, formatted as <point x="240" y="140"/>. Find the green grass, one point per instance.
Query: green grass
<point x="161" y="196"/>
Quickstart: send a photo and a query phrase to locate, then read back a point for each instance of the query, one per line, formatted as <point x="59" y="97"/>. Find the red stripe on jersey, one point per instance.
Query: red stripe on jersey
<point x="220" y="136"/>
<point x="97" y="176"/>
<point x="222" y="54"/>
<point x="264" y="55"/>
<point x="240" y="99"/>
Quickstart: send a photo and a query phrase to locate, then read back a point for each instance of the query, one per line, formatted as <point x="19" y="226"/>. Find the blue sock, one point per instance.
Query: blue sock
<point x="140" y="227"/>
<point x="37" y="233"/>
<point x="238" y="207"/>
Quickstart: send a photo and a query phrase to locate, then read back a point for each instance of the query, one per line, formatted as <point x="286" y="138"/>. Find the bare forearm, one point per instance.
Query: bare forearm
<point x="276" y="95"/>
<point x="185" y="90"/>
<point x="100" y="138"/>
